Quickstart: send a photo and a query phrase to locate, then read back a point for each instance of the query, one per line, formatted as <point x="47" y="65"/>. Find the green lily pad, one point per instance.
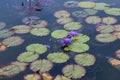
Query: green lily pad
<point x="32" y="77"/>
<point x="37" y="48"/>
<point x="109" y="20"/>
<point x="61" y="13"/>
<point x="93" y="20"/>
<point x="5" y="33"/>
<point x="64" y="20"/>
<point x="27" y="57"/>
<point x="41" y="66"/>
<point x="91" y="11"/>
<point x="58" y="57"/>
<point x="59" y="77"/>
<point x="106" y="38"/>
<point x="113" y="11"/>
<point x="101" y="6"/>
<point x="59" y="34"/>
<point x="74" y="71"/>
<point x="73" y="26"/>
<point x="85" y="59"/>
<point x="40" y="31"/>
<point x="80" y="14"/>
<point x="2" y="25"/>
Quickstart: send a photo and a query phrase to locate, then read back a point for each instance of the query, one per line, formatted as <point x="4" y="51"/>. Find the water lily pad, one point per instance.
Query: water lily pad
<point x="117" y="53"/>
<point x="71" y="4"/>
<point x="105" y="28"/>
<point x="2" y="25"/>
<point x="109" y="20"/>
<point x="91" y="11"/>
<point x="64" y="20"/>
<point x="59" y="34"/>
<point x="38" y="48"/>
<point x="80" y="14"/>
<point x="93" y="20"/>
<point x="85" y="59"/>
<point x="73" y="26"/>
<point x="59" y="77"/>
<point x="40" y="31"/>
<point x="39" y="24"/>
<point x="41" y="66"/>
<point x="46" y="76"/>
<point x="113" y="11"/>
<point x="5" y="33"/>
<point x="21" y="29"/>
<point x="101" y="6"/>
<point x="32" y="77"/>
<point x="86" y="4"/>
<point x="106" y="38"/>
<point x="13" y="41"/>
<point x="73" y="71"/>
<point x="27" y="57"/>
<point x="58" y="57"/>
<point x="61" y="13"/>
<point x="117" y="27"/>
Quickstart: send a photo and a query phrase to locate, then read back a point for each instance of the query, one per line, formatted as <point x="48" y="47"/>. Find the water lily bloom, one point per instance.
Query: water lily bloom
<point x="66" y="41"/>
<point x="73" y="34"/>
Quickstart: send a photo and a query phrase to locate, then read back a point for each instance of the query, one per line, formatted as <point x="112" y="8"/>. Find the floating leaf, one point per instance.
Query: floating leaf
<point x="41" y="66"/>
<point x="59" y="34"/>
<point x="80" y="14"/>
<point x="61" y="13"/>
<point x="86" y="4"/>
<point x="39" y="24"/>
<point x="93" y="20"/>
<point x="117" y="53"/>
<point x="109" y="20"/>
<point x="21" y="29"/>
<point x="113" y="11"/>
<point x="58" y="57"/>
<point x="2" y="47"/>
<point x="13" y="41"/>
<point x="47" y="76"/>
<point x="91" y="11"/>
<point x="105" y="28"/>
<point x="2" y="25"/>
<point x="106" y="38"/>
<point x="101" y="6"/>
<point x="32" y="77"/>
<point x="117" y="34"/>
<point x="37" y="48"/>
<point x="27" y="57"/>
<point x="5" y="33"/>
<point x="40" y="31"/>
<point x="117" y="27"/>
<point x="71" y="4"/>
<point x="64" y="20"/>
<point x="114" y="62"/>
<point x="73" y="26"/>
<point x="73" y="71"/>
<point x="59" y="77"/>
<point x="84" y="59"/>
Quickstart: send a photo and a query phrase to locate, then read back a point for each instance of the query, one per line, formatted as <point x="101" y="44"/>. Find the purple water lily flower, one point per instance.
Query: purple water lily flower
<point x="73" y="34"/>
<point x="66" y="41"/>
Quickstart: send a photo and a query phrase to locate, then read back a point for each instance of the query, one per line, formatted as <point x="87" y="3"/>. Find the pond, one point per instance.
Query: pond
<point x="59" y="40"/>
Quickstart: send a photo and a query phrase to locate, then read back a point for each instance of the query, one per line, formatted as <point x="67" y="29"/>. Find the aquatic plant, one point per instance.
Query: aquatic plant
<point x="113" y="11"/>
<point x="2" y="25"/>
<point x="64" y="20"/>
<point x="32" y="77"/>
<point x="73" y="34"/>
<point x="117" y="53"/>
<point x="86" y="4"/>
<point x="37" y="48"/>
<point x="21" y="29"/>
<point x="60" y="77"/>
<point x="13" y="41"/>
<point x="40" y="31"/>
<point x="61" y="13"/>
<point x="93" y="20"/>
<point x="109" y="20"/>
<point x="59" y="34"/>
<point x="30" y="20"/>
<point x="73" y="26"/>
<point x="85" y="59"/>
<point x="91" y="11"/>
<point x="47" y="76"/>
<point x="58" y="57"/>
<point x="39" y="24"/>
<point x="74" y="71"/>
<point x="66" y="41"/>
<point x="117" y="27"/>
<point x="105" y="28"/>
<point x="27" y="57"/>
<point x="101" y="6"/>
<point x="71" y="4"/>
<point x="41" y="66"/>
<point x="4" y="33"/>
<point x="2" y="47"/>
<point x="114" y="62"/>
<point x="80" y="14"/>
<point x="117" y="34"/>
<point x="106" y="38"/>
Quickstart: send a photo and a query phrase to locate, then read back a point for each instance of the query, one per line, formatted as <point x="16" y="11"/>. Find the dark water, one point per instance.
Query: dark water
<point x="100" y="71"/>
